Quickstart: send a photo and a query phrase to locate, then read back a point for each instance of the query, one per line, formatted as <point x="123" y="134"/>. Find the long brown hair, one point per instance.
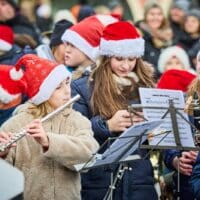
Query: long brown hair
<point x="106" y="99"/>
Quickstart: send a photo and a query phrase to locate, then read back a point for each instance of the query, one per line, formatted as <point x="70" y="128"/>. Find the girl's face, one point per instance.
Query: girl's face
<point x="6" y="11"/>
<point x="61" y="95"/>
<point x="122" y="66"/>
<point x="174" y="63"/>
<point x="74" y="57"/>
<point x="192" y="24"/>
<point x="154" y="18"/>
<point x="59" y="54"/>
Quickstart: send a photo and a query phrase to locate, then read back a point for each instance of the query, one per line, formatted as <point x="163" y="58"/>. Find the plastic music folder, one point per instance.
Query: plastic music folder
<point x="121" y="149"/>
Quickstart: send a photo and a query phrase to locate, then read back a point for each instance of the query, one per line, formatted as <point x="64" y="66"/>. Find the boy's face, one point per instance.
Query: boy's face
<point x="61" y="95"/>
<point x="59" y="54"/>
<point x="74" y="57"/>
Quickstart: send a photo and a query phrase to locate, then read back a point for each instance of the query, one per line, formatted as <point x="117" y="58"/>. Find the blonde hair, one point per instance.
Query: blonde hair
<point x="194" y="87"/>
<point x="39" y="111"/>
<point x="106" y="99"/>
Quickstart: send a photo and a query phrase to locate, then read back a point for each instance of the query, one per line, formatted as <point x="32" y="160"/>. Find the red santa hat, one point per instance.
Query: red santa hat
<point x="6" y="38"/>
<point x="12" y="84"/>
<point x="86" y="34"/>
<point x="121" y="39"/>
<point x="176" y="80"/>
<point x="42" y="76"/>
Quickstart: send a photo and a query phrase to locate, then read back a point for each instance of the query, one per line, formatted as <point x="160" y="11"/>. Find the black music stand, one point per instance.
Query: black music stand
<point x="173" y="111"/>
<point x="12" y="182"/>
<point x="120" y="150"/>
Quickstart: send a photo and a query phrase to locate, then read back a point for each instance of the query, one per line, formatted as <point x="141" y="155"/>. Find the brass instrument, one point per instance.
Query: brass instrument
<point x="193" y="109"/>
<point x="22" y="133"/>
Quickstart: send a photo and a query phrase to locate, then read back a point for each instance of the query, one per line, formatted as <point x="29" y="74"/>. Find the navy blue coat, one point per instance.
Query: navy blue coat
<point x="185" y="190"/>
<point x="12" y="56"/>
<point x="5" y="114"/>
<point x="137" y="184"/>
<point x="195" y="179"/>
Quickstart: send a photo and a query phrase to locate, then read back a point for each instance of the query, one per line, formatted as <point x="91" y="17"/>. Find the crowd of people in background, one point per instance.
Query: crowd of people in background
<point x="98" y="53"/>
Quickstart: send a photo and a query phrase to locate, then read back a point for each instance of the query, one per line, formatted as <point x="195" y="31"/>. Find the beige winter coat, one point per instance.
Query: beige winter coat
<point x="50" y="175"/>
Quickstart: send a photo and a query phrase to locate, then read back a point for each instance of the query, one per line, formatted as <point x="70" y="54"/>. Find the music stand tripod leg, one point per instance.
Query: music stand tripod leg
<point x="119" y="175"/>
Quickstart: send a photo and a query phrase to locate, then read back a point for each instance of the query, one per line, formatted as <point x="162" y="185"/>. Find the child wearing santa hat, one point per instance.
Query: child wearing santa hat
<point x="105" y="97"/>
<point x="47" y="153"/>
<point x="12" y="86"/>
<point x="9" y="51"/>
<point x="174" y="57"/>
<point x="82" y="42"/>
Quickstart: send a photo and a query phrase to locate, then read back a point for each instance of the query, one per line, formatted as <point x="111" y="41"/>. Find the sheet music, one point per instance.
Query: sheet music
<point x="122" y="148"/>
<point x="160" y="98"/>
<point x="127" y="143"/>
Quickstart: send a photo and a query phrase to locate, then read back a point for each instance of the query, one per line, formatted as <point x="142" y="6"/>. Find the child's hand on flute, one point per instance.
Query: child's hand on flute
<point x="4" y="139"/>
<point x="36" y="130"/>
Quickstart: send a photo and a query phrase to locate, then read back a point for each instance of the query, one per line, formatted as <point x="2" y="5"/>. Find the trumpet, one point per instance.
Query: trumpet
<point x="22" y="133"/>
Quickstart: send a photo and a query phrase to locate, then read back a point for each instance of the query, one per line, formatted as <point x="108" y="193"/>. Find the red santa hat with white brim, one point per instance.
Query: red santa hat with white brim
<point x="86" y="34"/>
<point x="42" y="76"/>
<point x="6" y="38"/>
<point x="121" y="39"/>
<point x="12" y="84"/>
<point x="176" y="80"/>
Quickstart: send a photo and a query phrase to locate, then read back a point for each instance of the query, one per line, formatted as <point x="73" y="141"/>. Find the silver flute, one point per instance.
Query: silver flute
<point x="17" y="136"/>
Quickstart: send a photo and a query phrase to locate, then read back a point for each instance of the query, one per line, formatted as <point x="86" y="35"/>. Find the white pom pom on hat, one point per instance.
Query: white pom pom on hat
<point x="12" y="84"/>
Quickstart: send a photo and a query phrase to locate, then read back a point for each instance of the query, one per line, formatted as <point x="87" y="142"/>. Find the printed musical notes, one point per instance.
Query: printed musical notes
<point x="159" y="98"/>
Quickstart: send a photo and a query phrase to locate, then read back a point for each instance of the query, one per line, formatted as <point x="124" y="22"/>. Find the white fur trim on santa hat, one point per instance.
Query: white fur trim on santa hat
<point x="122" y="48"/>
<point x="6" y="97"/>
<point x="5" y="46"/>
<point x="16" y="75"/>
<point x="167" y="53"/>
<point x="80" y="43"/>
<point x="106" y="19"/>
<point x="50" y="83"/>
